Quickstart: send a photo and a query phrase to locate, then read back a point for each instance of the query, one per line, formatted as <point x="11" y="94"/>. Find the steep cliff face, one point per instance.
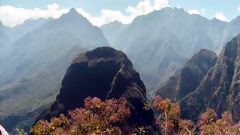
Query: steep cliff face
<point x="219" y="89"/>
<point x="189" y="77"/>
<point x="105" y="73"/>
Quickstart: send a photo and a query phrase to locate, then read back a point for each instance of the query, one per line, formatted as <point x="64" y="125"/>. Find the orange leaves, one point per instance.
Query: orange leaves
<point x="209" y="124"/>
<point x="207" y="117"/>
<point x="98" y="117"/>
<point x="110" y="118"/>
<point x="45" y="127"/>
<point x="166" y="106"/>
<point x="169" y="120"/>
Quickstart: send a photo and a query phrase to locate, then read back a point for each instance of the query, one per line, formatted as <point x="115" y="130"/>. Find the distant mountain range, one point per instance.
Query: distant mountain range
<point x="35" y="55"/>
<point x="34" y="65"/>
<point x="206" y="81"/>
<point x="159" y="43"/>
<point x="219" y="88"/>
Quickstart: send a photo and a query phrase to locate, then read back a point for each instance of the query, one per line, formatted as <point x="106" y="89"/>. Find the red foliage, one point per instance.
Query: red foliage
<point x="98" y="117"/>
<point x="168" y="118"/>
<point x="110" y="117"/>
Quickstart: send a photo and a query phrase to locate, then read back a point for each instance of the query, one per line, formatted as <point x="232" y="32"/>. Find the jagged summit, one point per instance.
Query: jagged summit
<point x="73" y="15"/>
<point x="219" y="24"/>
<point x="73" y="11"/>
<point x="116" y="22"/>
<point x="236" y="20"/>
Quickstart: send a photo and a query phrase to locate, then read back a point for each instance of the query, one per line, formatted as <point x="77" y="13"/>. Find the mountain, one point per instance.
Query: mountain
<point x="4" y="35"/>
<point x="188" y="78"/>
<point x="104" y="73"/>
<point x="232" y="29"/>
<point x="34" y="65"/>
<point x="11" y="34"/>
<point x="28" y="26"/>
<point x="219" y="89"/>
<point x="114" y="27"/>
<point x="160" y="42"/>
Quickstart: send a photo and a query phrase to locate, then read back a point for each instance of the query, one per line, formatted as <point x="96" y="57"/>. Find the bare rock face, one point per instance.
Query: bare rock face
<point x="189" y="77"/>
<point x="105" y="73"/>
<point x="219" y="89"/>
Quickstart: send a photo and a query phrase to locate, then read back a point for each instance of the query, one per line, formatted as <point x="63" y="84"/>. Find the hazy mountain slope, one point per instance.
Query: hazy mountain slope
<point x="35" y="65"/>
<point x="4" y="36"/>
<point x="232" y="29"/>
<point x="54" y="39"/>
<point x="166" y="38"/>
<point x="28" y="26"/>
<point x="188" y="78"/>
<point x="219" y="89"/>
<point x="113" y="30"/>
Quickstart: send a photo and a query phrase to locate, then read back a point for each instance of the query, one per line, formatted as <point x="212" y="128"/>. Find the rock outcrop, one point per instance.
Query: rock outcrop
<point x="189" y="77"/>
<point x="105" y="73"/>
<point x="219" y="89"/>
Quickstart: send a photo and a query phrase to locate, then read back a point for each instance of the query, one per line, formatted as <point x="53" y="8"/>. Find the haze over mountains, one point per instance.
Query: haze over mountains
<point x="219" y="89"/>
<point x="36" y="63"/>
<point x="160" y="42"/>
<point x="187" y="79"/>
<point x="37" y="53"/>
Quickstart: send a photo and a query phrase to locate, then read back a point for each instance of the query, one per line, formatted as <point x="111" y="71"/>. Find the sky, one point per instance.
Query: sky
<point x="99" y="12"/>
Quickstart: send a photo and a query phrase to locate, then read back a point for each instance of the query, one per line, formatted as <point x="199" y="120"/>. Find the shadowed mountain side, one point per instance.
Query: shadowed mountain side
<point x="105" y="73"/>
<point x="219" y="89"/>
<point x="188" y="78"/>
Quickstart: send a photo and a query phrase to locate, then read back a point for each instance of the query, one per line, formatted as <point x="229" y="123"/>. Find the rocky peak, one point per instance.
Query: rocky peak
<point x="203" y="59"/>
<point x="217" y="21"/>
<point x="105" y="73"/>
<point x="219" y="89"/>
<point x="188" y="79"/>
<point x="73" y="15"/>
<point x="236" y="20"/>
<point x="73" y="11"/>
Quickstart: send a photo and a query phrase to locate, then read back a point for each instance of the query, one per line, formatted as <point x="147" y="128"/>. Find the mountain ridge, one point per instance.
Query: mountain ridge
<point x="189" y="76"/>
<point x="29" y="68"/>
<point x="218" y="89"/>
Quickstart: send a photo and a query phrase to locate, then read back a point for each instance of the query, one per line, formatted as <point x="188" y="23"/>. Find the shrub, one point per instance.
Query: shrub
<point x="97" y="117"/>
<point x="110" y="118"/>
<point x="168" y="118"/>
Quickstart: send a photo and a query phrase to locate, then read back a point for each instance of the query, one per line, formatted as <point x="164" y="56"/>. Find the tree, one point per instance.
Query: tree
<point x="168" y="118"/>
<point x="208" y="124"/>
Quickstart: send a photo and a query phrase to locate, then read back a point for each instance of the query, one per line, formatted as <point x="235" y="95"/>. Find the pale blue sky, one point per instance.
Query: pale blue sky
<point x="223" y="9"/>
<point x="228" y="7"/>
